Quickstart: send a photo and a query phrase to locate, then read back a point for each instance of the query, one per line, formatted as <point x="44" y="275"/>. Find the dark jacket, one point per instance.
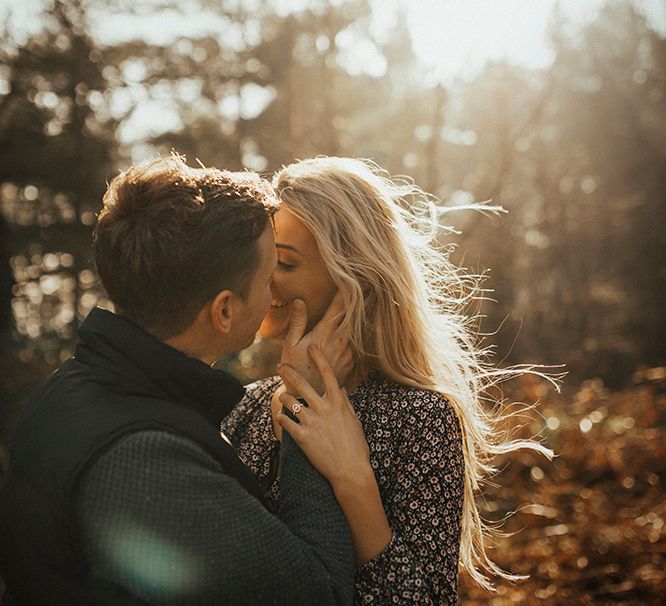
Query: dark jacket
<point x="122" y="382"/>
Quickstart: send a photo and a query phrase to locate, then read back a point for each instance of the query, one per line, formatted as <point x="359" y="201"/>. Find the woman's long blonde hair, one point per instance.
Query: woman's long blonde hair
<point x="406" y="306"/>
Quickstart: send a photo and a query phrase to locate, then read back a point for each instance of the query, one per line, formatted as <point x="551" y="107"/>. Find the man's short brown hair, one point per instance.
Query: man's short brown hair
<point x="170" y="237"/>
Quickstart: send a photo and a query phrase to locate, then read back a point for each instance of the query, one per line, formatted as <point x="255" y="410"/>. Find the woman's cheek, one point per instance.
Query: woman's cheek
<point x="287" y="284"/>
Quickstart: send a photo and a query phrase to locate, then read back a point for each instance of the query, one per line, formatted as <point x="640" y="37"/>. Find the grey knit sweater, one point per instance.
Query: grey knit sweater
<point x="159" y="517"/>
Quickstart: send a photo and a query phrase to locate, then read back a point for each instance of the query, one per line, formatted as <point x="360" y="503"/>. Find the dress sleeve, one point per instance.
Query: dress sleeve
<point x="249" y="428"/>
<point x="157" y="516"/>
<point x="423" y="502"/>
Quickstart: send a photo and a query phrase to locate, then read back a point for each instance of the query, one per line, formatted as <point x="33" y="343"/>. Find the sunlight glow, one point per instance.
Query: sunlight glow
<point x="453" y="38"/>
<point x="456" y="38"/>
<point x="359" y="56"/>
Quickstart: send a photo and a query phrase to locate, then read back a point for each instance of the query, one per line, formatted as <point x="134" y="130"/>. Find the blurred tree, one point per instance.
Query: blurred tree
<point x="577" y="155"/>
<point x="603" y="172"/>
<point x="55" y="155"/>
<point x="575" y="152"/>
<point x="276" y="95"/>
<point x="6" y="285"/>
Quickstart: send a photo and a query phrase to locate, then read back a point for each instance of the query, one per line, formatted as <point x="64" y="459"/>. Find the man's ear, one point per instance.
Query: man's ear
<point x="221" y="311"/>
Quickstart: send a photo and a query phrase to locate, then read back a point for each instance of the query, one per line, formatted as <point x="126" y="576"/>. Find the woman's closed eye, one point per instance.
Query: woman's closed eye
<point x="286" y="266"/>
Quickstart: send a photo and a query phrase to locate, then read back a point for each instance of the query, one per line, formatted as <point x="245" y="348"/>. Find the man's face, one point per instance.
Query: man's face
<point x="249" y="314"/>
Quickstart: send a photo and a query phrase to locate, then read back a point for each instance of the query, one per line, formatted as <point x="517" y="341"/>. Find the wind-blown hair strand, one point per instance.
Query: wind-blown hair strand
<point x="406" y="309"/>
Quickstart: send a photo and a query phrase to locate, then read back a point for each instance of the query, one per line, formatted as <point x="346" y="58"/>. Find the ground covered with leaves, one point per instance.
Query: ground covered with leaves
<point x="589" y="526"/>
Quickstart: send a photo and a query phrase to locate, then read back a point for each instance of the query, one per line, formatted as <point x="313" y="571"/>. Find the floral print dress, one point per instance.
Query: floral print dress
<point x="416" y="453"/>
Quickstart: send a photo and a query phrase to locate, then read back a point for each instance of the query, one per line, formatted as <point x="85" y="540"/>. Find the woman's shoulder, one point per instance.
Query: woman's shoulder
<point x="248" y="425"/>
<point x="253" y="406"/>
<point x="403" y="396"/>
<point x="410" y="404"/>
<point x="261" y="390"/>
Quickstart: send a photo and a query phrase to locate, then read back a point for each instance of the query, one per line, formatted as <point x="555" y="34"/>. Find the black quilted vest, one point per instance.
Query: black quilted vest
<point x="120" y="381"/>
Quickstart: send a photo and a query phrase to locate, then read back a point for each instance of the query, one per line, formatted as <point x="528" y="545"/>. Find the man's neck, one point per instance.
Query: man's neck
<point x="191" y="346"/>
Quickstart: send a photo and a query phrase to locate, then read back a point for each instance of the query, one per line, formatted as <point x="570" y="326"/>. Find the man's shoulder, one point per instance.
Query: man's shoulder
<point x="74" y="382"/>
<point x="160" y="446"/>
<point x="78" y="412"/>
<point x="77" y="391"/>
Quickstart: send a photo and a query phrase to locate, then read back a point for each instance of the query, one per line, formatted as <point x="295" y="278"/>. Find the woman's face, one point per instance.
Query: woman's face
<point x="300" y="274"/>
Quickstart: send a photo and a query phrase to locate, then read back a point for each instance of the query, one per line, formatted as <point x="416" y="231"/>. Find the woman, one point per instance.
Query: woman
<point x="416" y="385"/>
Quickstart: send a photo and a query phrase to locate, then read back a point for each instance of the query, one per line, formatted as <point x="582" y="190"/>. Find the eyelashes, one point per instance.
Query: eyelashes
<point x="286" y="266"/>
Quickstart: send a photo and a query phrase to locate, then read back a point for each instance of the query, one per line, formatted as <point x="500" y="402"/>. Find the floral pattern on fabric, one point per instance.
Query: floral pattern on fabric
<point x="416" y="453"/>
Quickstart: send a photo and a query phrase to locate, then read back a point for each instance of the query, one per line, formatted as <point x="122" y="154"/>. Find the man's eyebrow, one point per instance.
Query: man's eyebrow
<point x="287" y="246"/>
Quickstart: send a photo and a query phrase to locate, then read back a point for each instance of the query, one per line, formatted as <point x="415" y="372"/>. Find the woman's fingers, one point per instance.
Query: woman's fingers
<point x="328" y="376"/>
<point x="332" y="318"/>
<point x="341" y="338"/>
<point x="298" y="383"/>
<point x="292" y="427"/>
<point x="292" y="406"/>
<point x="298" y="321"/>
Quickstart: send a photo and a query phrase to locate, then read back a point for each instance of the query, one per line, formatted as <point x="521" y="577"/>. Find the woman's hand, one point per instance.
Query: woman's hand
<point x="326" y="335"/>
<point x="327" y="429"/>
<point x="276" y="407"/>
<point x="330" y="434"/>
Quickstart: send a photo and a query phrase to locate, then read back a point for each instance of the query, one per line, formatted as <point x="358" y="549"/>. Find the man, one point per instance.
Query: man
<point x="120" y="490"/>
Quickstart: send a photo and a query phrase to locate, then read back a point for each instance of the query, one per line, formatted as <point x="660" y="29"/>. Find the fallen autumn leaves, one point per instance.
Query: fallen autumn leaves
<point x="589" y="526"/>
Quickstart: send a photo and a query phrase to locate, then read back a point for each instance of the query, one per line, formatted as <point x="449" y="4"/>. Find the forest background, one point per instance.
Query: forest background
<point x="574" y="151"/>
